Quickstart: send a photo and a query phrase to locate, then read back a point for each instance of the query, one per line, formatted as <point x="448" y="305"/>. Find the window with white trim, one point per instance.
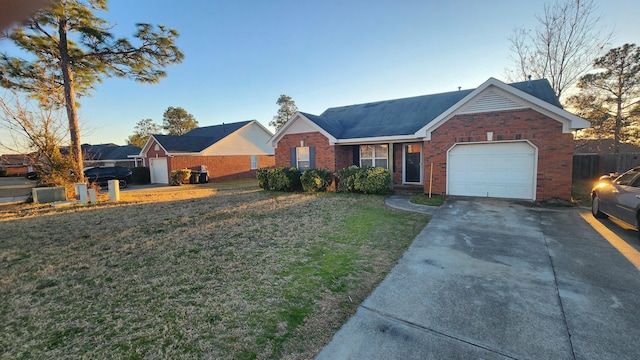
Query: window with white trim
<point x="302" y="158"/>
<point x="374" y="155"/>
<point x="254" y="162"/>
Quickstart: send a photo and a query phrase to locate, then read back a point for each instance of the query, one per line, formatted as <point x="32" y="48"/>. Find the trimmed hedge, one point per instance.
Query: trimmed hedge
<point x="179" y="177"/>
<point x="279" y="179"/>
<point x="141" y="175"/>
<point x="367" y="180"/>
<point x="316" y="180"/>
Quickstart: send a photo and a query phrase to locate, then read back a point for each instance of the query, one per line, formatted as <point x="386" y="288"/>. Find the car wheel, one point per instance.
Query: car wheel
<point x="595" y="208"/>
<point x="123" y="184"/>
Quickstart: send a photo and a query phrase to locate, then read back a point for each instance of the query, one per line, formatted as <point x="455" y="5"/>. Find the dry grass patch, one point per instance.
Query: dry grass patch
<point x="219" y="271"/>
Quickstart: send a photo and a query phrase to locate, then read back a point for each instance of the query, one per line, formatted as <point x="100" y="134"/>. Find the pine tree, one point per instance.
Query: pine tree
<point x="75" y="48"/>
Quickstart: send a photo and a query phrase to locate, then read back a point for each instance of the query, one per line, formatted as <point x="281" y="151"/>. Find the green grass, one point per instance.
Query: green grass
<point x="581" y="191"/>
<point x="424" y="199"/>
<point x="213" y="271"/>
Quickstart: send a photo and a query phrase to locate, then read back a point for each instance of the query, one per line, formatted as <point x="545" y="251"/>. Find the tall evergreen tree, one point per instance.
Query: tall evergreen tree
<point x="287" y="109"/>
<point x="614" y="88"/>
<point x="75" y="48"/>
<point x="143" y="129"/>
<point x="177" y="121"/>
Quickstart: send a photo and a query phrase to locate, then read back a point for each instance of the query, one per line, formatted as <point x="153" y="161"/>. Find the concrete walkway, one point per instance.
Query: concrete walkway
<point x="492" y="279"/>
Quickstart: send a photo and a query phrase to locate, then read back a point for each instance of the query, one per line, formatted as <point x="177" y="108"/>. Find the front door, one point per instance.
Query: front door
<point x="412" y="161"/>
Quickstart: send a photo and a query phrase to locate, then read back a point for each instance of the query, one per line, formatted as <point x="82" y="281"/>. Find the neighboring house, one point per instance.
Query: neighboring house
<point x="499" y="140"/>
<point x="110" y="155"/>
<point x="93" y="155"/>
<point x="228" y="151"/>
<point x="16" y="164"/>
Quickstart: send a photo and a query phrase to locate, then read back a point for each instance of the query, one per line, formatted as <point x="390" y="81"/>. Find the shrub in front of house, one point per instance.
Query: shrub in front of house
<point x="279" y="179"/>
<point x="284" y="179"/>
<point x="315" y="180"/>
<point x="179" y="177"/>
<point x="141" y="175"/>
<point x="368" y="180"/>
<point x="263" y="178"/>
<point x="345" y="179"/>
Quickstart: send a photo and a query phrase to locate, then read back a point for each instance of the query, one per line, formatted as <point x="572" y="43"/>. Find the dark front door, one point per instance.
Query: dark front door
<point x="412" y="159"/>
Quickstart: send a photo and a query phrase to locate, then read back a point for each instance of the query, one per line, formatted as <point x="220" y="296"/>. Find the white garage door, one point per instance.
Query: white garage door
<point x="502" y="170"/>
<point x="158" y="170"/>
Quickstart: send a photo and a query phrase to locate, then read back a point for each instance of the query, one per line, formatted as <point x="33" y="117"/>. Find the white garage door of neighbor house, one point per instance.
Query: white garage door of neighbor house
<point x="158" y="170"/>
<point x="501" y="170"/>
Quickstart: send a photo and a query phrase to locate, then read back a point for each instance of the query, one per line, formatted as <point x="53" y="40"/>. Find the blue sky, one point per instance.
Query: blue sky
<point x="241" y="55"/>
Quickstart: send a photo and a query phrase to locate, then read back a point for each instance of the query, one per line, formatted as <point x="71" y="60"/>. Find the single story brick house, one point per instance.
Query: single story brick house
<point x="109" y="155"/>
<point x="16" y="164"/>
<point x="498" y="140"/>
<point x="228" y="151"/>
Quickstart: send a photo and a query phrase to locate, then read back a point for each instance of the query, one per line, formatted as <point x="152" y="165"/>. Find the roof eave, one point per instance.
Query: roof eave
<point x="298" y="116"/>
<point x="379" y="139"/>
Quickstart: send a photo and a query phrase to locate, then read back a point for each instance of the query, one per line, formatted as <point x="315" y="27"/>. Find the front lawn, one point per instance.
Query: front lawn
<point x="199" y="271"/>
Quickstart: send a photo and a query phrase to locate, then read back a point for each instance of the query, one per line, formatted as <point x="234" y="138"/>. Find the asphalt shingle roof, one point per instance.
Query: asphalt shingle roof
<point x="108" y="151"/>
<point x="198" y="139"/>
<point x="405" y="116"/>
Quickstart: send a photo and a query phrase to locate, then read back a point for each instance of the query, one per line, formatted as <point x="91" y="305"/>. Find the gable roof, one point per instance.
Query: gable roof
<point x="108" y="151"/>
<point x="412" y="116"/>
<point x="388" y="118"/>
<point x="199" y="139"/>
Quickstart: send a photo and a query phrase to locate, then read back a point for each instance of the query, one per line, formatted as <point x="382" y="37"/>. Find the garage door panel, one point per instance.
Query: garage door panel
<point x="504" y="170"/>
<point x="158" y="169"/>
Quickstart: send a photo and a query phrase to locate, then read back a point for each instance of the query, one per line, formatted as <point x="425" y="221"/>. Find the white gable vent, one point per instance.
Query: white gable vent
<point x="491" y="101"/>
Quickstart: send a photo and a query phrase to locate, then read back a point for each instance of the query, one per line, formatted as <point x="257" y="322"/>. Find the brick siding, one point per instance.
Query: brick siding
<point x="555" y="148"/>
<point x="221" y="167"/>
<point x="325" y="153"/>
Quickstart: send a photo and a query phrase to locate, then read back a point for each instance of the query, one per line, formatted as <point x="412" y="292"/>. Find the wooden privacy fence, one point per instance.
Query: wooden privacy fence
<point x="588" y="166"/>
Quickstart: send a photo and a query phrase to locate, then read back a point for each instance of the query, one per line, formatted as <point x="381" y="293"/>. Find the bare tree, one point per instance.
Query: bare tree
<point x="38" y="132"/>
<point x="561" y="49"/>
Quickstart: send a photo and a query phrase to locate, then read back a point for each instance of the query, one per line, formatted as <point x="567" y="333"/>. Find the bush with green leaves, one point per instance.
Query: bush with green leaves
<point x="345" y="179"/>
<point x="368" y="180"/>
<point x="279" y="179"/>
<point x="284" y="179"/>
<point x="179" y="177"/>
<point x="316" y="180"/>
<point x="141" y="175"/>
<point x="263" y="178"/>
<point x="373" y="180"/>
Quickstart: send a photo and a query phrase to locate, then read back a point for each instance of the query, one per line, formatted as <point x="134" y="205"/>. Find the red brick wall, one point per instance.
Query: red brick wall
<point x="152" y="152"/>
<point x="221" y="167"/>
<point x="555" y="148"/>
<point x="397" y="163"/>
<point x="325" y="153"/>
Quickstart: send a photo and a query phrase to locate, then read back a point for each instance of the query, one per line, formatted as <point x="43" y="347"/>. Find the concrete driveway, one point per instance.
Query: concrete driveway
<point x="492" y="279"/>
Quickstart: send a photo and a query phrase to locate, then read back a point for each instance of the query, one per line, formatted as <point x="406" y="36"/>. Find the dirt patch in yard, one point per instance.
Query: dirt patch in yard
<point x="214" y="271"/>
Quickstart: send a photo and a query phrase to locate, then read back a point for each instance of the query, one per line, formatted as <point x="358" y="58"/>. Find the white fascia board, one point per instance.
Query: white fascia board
<point x="147" y="146"/>
<point x="298" y="117"/>
<point x="556" y="113"/>
<point x="184" y="154"/>
<point x="379" y="139"/>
